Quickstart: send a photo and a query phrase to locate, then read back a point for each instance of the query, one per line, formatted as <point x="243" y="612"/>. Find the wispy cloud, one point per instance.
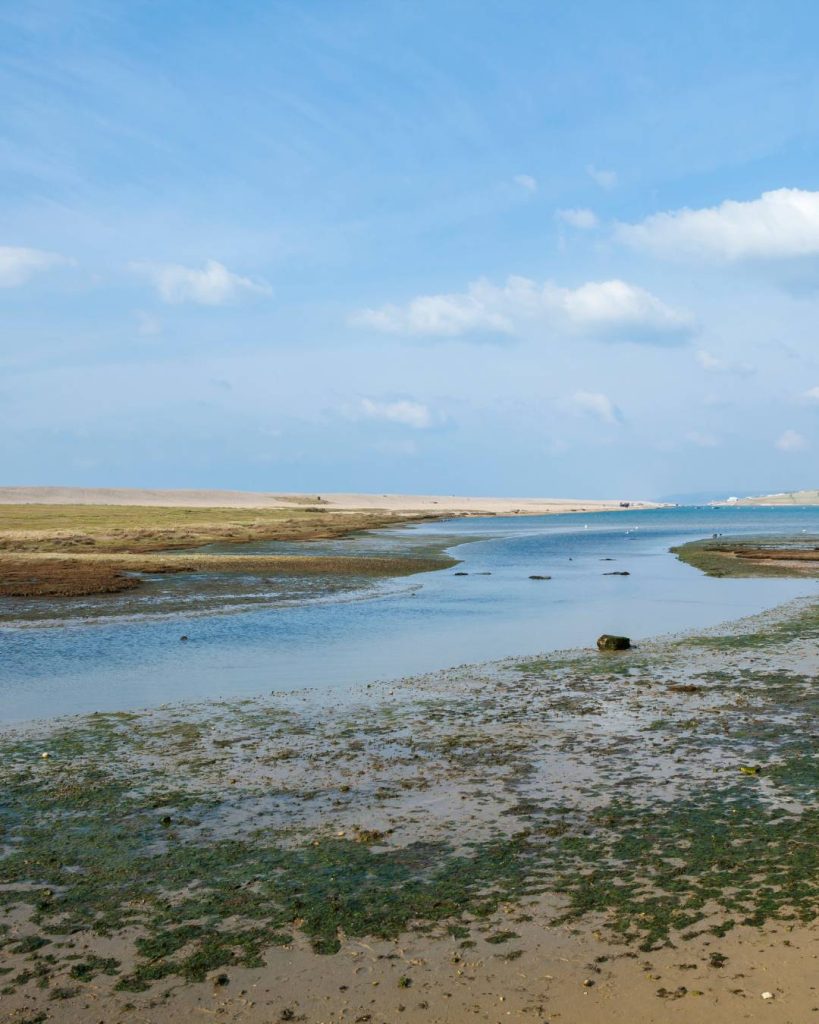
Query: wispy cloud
<point x="403" y="411"/>
<point x="605" y="179"/>
<point x="607" y="309"/>
<point x="527" y="182"/>
<point x="715" y="364"/>
<point x="811" y="395"/>
<point x="19" y="265"/>
<point x="598" y="405"/>
<point x="791" y="441"/>
<point x="213" y="285"/>
<point x="779" y="224"/>
<point x="583" y="220"/>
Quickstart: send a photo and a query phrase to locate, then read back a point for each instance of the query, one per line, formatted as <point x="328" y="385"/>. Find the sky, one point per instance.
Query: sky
<point x="430" y="246"/>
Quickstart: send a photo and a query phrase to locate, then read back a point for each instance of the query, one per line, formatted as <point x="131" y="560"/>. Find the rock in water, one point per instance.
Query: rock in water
<point x="607" y="642"/>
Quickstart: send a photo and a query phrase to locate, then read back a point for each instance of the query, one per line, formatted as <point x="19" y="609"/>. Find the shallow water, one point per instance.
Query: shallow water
<point x="417" y="624"/>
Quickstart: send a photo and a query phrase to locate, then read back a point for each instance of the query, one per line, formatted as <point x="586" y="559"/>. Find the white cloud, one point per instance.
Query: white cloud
<point x="714" y="364"/>
<point x="598" y="405"/>
<point x="780" y="224"/>
<point x="791" y="441"/>
<point x="812" y="394"/>
<point x="213" y="285"/>
<point x="613" y="309"/>
<point x="526" y="181"/>
<point x="605" y="179"/>
<point x="18" y="265"/>
<point x="408" y="413"/>
<point x="583" y="220"/>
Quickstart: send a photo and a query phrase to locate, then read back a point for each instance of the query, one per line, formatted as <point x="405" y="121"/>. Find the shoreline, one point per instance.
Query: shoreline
<point x="443" y="505"/>
<point x="522" y="805"/>
<point x="106" y="549"/>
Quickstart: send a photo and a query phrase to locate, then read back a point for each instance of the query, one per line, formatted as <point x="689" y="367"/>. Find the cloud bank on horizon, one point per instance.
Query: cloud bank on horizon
<point x="408" y="253"/>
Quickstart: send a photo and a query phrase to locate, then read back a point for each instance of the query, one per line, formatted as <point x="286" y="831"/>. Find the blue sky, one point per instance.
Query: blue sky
<point x="514" y="247"/>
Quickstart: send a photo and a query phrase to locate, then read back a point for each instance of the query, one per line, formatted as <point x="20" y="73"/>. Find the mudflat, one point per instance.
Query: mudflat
<point x="88" y="528"/>
<point x="54" y="550"/>
<point x="587" y="837"/>
<point x="743" y="557"/>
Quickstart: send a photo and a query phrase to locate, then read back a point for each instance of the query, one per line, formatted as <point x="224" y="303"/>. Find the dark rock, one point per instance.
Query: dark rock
<point x="615" y="573"/>
<point x="607" y="642"/>
<point x="540" y="577"/>
<point x="183" y="639"/>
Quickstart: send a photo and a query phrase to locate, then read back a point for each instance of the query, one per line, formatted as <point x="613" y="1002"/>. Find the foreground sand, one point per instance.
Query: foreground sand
<point x="579" y="839"/>
<point x="410" y="503"/>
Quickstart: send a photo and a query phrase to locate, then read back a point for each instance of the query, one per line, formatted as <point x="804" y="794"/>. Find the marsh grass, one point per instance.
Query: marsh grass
<point x="50" y="551"/>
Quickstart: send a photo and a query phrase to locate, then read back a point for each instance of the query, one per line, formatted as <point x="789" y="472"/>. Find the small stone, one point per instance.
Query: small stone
<point x="588" y="983"/>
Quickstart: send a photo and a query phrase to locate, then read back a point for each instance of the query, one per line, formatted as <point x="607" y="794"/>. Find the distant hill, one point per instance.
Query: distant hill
<point x="783" y="498"/>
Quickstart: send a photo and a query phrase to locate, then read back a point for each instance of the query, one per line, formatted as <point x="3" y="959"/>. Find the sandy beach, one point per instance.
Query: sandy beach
<point x="393" y="503"/>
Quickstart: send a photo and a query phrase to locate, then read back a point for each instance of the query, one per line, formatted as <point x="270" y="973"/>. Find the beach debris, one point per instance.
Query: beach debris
<point x="621" y="572"/>
<point x="183" y="639"/>
<point x="540" y="577"/>
<point x="45" y="755"/>
<point x="751" y="769"/>
<point x="609" y="642"/>
<point x="369" y="835"/>
<point x="677" y="993"/>
<point x="767" y="995"/>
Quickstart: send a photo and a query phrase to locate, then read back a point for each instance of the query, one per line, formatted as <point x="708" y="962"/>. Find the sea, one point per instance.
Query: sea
<point x="108" y="654"/>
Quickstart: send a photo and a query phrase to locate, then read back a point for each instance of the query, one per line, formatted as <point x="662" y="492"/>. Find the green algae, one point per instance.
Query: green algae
<point x="717" y="556"/>
<point x="715" y="851"/>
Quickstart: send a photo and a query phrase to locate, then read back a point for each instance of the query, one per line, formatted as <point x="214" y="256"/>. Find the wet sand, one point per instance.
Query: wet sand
<point x="582" y="837"/>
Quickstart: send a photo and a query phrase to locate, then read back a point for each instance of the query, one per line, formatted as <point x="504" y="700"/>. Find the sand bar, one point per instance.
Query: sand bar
<point x="441" y="504"/>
